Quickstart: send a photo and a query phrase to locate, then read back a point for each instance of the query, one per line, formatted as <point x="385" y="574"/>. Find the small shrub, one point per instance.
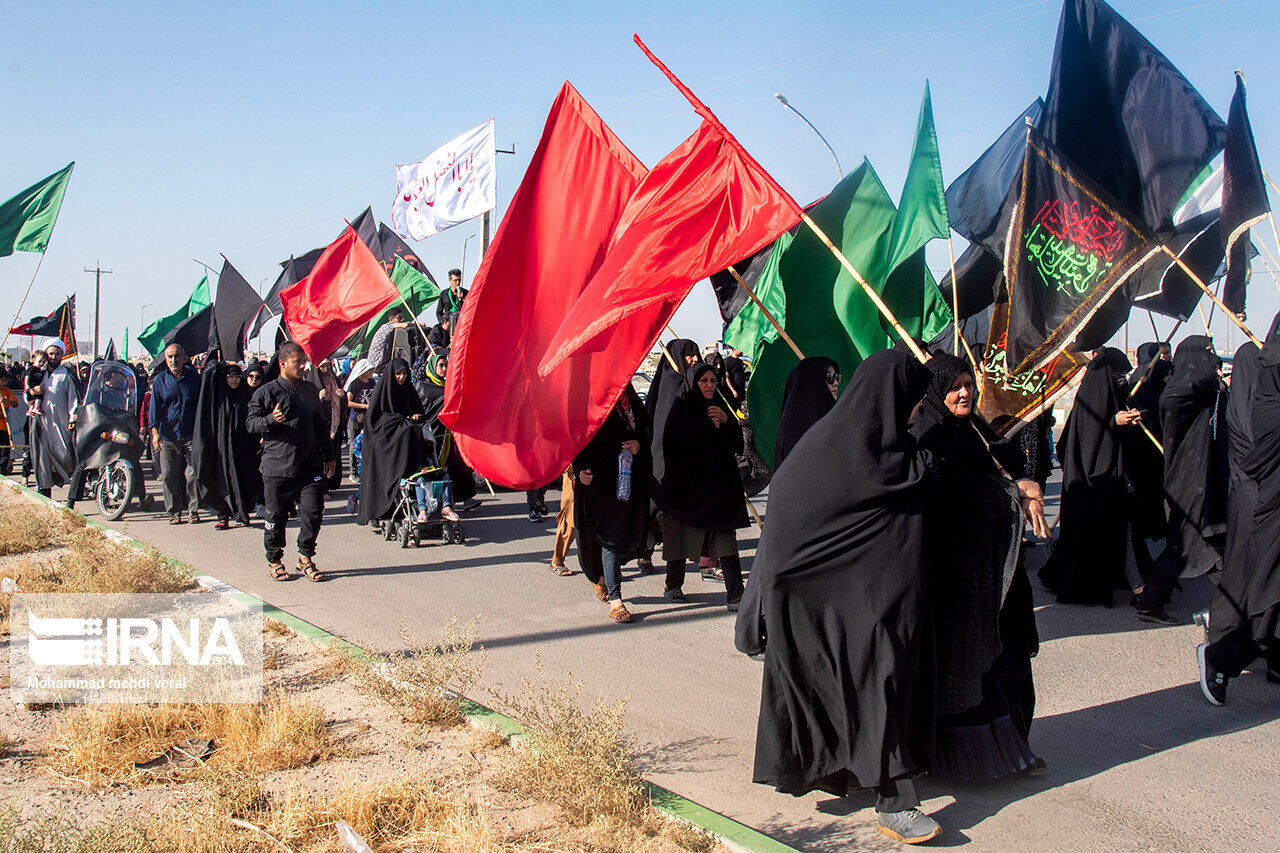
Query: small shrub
<point x="426" y="681"/>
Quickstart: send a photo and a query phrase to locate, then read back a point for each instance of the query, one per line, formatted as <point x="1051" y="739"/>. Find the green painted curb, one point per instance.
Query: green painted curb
<point x="737" y="835"/>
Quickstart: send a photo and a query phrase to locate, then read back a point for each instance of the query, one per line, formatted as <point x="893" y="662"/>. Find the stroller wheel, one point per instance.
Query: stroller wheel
<point x="417" y="537"/>
<point x="452" y="533"/>
<point x="388" y="531"/>
<point x="405" y="532"/>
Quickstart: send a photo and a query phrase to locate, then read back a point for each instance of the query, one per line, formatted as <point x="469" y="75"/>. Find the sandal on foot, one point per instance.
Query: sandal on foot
<point x="177" y="518"/>
<point x="310" y="570"/>
<point x="448" y="514"/>
<point x="602" y="591"/>
<point x="618" y="612"/>
<point x="194" y="517"/>
<point x="222" y="524"/>
<point x="278" y="571"/>
<point x="562" y="570"/>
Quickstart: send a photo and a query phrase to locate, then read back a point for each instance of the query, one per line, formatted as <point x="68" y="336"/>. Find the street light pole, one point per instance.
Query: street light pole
<point x="783" y="100"/>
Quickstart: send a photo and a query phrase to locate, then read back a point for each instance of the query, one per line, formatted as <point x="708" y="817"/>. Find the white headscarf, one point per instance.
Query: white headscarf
<point x="55" y="342"/>
<point x="362" y="367"/>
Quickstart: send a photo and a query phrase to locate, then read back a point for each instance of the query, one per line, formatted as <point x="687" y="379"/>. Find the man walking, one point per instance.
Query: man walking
<point x="295" y="445"/>
<point x="52" y="443"/>
<point x="172" y="416"/>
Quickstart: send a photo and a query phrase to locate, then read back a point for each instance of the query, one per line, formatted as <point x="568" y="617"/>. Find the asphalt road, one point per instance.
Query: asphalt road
<point x="1138" y="760"/>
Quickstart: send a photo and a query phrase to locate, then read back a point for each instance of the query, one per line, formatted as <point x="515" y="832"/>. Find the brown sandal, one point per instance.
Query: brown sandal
<point x="618" y="613"/>
<point x="602" y="591"/>
<point x="194" y="517"/>
<point x="310" y="570"/>
<point x="176" y="518"/>
<point x="278" y="571"/>
<point x="562" y="570"/>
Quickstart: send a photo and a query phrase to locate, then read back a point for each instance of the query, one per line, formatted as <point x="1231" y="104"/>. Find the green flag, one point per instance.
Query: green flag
<point x="749" y="327"/>
<point x="152" y="337"/>
<point x="922" y="213"/>
<point x="823" y="308"/>
<point x="418" y="291"/>
<point x="126" y="343"/>
<point x="26" y="220"/>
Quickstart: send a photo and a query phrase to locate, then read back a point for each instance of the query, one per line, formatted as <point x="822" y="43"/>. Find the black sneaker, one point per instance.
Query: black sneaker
<point x="542" y="508"/>
<point x="1159" y="616"/>
<point x="534" y="517"/>
<point x="1213" y="684"/>
<point x="676" y="595"/>
<point x="911" y="826"/>
<point x="645" y="566"/>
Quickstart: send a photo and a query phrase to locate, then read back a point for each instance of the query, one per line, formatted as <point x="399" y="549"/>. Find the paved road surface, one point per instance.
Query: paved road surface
<point x="1138" y="760"/>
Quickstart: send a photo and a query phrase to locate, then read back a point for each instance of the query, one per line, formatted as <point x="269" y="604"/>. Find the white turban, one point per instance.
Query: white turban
<point x="362" y="367"/>
<point x="55" y="342"/>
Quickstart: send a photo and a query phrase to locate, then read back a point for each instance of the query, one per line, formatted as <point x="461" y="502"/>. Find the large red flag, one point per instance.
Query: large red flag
<point x="347" y="288"/>
<point x="512" y="425"/>
<point x="706" y="205"/>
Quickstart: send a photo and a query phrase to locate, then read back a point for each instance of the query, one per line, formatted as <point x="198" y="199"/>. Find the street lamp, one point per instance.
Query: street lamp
<point x="783" y="100"/>
<point x="470" y="237"/>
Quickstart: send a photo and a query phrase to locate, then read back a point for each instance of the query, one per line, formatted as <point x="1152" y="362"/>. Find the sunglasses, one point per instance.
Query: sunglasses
<point x="833" y="377"/>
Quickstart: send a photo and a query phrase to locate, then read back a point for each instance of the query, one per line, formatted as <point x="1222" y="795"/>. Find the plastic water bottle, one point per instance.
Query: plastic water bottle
<point x="624" y="476"/>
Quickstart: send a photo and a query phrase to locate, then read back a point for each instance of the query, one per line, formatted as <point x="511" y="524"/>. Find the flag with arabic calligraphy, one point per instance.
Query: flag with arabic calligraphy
<point x="1068" y="248"/>
<point x="1008" y="401"/>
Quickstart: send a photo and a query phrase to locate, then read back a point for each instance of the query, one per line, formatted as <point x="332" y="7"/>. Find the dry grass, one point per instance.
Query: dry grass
<point x="580" y="759"/>
<point x="24" y="532"/>
<point x="426" y="681"/>
<point x="103" y="744"/>
<point x="62" y="834"/>
<point x="94" y="564"/>
<point x="276" y="628"/>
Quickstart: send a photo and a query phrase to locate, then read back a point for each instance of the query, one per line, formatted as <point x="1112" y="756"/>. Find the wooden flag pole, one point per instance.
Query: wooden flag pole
<point x="1146" y="371"/>
<point x="1154" y="330"/>
<point x="955" y="298"/>
<point x="1216" y="301"/>
<point x="866" y="288"/>
<point x="765" y="311"/>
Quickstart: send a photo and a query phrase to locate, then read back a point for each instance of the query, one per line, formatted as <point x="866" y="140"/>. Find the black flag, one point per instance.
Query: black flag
<point x="367" y="230"/>
<point x="1070" y="246"/>
<point x="110" y="353"/>
<point x="234" y="308"/>
<point x="1244" y="198"/>
<point x="729" y="295"/>
<point x="1121" y="111"/>
<point x="393" y="247"/>
<point x="976" y="199"/>
<point x="59" y="323"/>
<point x="198" y="334"/>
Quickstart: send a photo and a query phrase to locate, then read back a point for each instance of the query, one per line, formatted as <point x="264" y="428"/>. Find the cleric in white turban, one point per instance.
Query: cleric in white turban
<point x="52" y="447"/>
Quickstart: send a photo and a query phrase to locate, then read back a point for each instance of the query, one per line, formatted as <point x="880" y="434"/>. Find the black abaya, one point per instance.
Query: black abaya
<point x="1088" y="560"/>
<point x="1192" y="421"/>
<point x="838" y="593"/>
<point x="603" y="521"/>
<point x="392" y="442"/>
<point x="430" y="387"/>
<point x="663" y="390"/>
<point x="805" y="400"/>
<point x="223" y="451"/>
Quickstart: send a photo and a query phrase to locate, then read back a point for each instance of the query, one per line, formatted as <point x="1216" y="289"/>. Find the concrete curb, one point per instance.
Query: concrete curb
<point x="735" y="835"/>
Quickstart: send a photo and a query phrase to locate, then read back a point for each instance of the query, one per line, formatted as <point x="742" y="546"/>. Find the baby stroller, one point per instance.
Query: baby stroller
<point x="416" y="514"/>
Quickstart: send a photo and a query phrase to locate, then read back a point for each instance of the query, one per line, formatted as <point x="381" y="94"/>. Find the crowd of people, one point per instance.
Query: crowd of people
<point x="889" y="597"/>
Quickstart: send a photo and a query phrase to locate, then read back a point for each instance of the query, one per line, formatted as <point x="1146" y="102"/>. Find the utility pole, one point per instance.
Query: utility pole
<point x="485" y="229"/>
<point x="97" y="301"/>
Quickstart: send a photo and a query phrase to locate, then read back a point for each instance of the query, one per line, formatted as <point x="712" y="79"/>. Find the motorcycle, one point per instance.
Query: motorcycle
<point x="108" y="441"/>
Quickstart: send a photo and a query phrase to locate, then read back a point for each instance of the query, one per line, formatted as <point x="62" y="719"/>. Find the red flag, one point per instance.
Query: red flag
<point x="513" y="426"/>
<point x="706" y="205"/>
<point x="346" y="289"/>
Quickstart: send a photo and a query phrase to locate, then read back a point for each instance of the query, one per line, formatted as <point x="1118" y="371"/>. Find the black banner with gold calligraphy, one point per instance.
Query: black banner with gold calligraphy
<point x="1069" y="247"/>
<point x="1007" y="401"/>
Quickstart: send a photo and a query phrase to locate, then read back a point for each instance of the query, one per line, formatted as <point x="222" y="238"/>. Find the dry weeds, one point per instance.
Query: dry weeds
<point x="426" y="681"/>
<point x="105" y="744"/>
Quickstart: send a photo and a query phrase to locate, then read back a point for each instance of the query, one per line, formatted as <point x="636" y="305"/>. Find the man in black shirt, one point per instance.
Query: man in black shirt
<point x="295" y="445"/>
<point x="450" y="302"/>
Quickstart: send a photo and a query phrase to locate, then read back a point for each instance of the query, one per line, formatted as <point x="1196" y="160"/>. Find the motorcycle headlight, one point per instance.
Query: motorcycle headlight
<point x="119" y="436"/>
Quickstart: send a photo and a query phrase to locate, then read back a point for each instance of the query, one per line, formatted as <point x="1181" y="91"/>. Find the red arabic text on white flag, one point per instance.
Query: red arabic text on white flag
<point x="453" y="184"/>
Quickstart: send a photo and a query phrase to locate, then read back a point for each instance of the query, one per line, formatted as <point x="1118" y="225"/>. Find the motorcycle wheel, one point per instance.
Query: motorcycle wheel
<point x="116" y="484"/>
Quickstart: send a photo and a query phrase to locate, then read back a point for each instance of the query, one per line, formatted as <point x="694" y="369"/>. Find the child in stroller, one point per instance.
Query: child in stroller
<point x="422" y="509"/>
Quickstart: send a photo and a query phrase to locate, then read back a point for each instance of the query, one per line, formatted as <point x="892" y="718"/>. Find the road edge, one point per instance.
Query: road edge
<point x="737" y="836"/>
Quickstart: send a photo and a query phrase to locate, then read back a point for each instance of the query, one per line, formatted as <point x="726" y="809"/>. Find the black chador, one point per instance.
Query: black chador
<point x="223" y="453"/>
<point x="1088" y="560"/>
<point x="392" y="441"/>
<point x="837" y="600"/>
<point x="663" y="390"/>
<point x="805" y="400"/>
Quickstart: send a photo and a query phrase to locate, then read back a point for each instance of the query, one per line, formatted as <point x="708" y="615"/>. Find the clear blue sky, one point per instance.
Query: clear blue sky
<point x="254" y="129"/>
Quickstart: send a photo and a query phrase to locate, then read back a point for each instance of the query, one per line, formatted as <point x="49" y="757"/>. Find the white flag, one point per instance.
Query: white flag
<point x="454" y="184"/>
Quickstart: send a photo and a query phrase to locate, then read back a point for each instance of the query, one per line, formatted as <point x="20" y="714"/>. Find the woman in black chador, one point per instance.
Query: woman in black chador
<point x="613" y="529"/>
<point x="809" y="394"/>
<point x="1144" y="462"/>
<point x="1088" y="560"/>
<point x="392" y="441"/>
<point x="984" y="619"/>
<point x="224" y="454"/>
<point x="700" y="490"/>
<point x="1244" y="618"/>
<point x="1194" y="434"/>
<point x="837" y="604"/>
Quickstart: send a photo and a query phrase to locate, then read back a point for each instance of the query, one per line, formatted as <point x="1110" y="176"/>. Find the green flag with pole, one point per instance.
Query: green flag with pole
<point x="418" y="292"/>
<point x="152" y="337"/>
<point x="126" y="343"/>
<point x="922" y="212"/>
<point x="27" y="219"/>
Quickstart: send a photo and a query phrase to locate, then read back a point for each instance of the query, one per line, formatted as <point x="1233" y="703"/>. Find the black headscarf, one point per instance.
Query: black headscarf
<point x="663" y="391"/>
<point x="735" y="381"/>
<point x="392" y="443"/>
<point x="1245" y="369"/>
<point x="223" y="452"/>
<point x="1193" y="431"/>
<point x="701" y="485"/>
<point x="838" y="587"/>
<point x="806" y="398"/>
<point x="1087" y="563"/>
